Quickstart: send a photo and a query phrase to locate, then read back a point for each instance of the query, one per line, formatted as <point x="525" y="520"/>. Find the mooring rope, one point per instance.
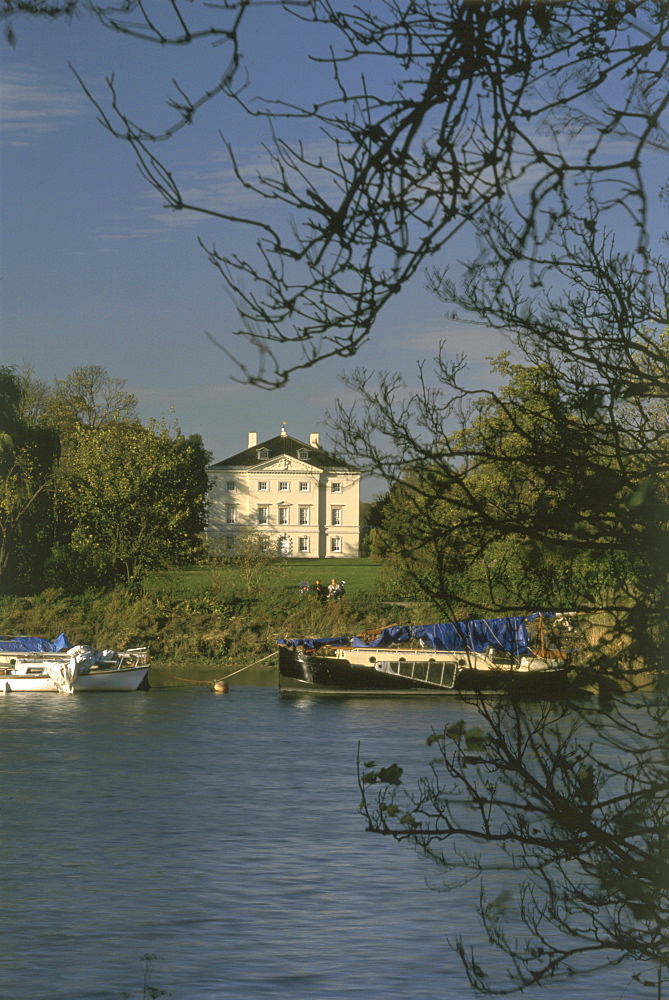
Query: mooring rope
<point x="192" y="680"/>
<point x="246" y="667"/>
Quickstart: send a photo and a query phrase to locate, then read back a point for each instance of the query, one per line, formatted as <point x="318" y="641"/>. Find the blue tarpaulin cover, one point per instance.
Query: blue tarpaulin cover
<point x="33" y="644"/>
<point x="477" y="635"/>
<point x="392" y="634"/>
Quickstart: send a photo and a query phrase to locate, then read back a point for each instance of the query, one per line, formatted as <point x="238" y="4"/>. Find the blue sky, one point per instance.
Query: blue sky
<point x="95" y="271"/>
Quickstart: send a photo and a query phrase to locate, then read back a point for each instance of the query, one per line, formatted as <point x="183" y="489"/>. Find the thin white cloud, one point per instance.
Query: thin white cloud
<point x="30" y="105"/>
<point x="210" y="183"/>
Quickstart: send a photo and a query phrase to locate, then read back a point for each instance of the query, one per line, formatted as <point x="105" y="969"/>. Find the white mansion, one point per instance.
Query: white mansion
<point x="304" y="502"/>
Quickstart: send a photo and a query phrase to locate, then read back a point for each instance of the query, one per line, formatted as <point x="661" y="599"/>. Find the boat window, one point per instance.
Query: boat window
<point x="435" y="673"/>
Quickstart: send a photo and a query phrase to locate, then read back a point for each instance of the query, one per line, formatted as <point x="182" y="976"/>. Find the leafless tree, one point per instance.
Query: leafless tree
<point x="567" y="804"/>
<point x="551" y="488"/>
<point x="570" y="813"/>
<point x="525" y="126"/>
<point x="538" y="109"/>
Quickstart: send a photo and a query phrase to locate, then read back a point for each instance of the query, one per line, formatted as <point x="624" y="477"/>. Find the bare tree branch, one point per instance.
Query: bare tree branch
<point x="538" y="110"/>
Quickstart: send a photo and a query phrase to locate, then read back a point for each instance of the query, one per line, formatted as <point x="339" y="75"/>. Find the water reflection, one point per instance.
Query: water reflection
<point x="221" y="835"/>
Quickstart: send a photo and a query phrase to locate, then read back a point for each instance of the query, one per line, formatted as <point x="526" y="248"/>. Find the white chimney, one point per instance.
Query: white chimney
<point x="253" y="439"/>
<point x="313" y="440"/>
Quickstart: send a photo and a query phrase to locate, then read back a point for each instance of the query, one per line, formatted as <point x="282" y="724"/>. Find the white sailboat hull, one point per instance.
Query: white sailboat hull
<point x="123" y="679"/>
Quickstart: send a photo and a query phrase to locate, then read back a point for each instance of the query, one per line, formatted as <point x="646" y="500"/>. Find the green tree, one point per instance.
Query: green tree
<point x="552" y="485"/>
<point x="131" y="498"/>
<point x="89" y="397"/>
<point x="35" y="396"/>
<point x="371" y="519"/>
<point x="27" y="458"/>
<point x="192" y="481"/>
<point x="252" y="556"/>
<point x="527" y="126"/>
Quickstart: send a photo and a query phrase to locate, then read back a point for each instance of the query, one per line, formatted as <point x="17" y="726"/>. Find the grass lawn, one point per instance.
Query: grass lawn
<point x="359" y="574"/>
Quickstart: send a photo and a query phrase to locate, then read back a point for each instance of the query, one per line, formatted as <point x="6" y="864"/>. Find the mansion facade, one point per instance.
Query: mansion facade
<point x="303" y="502"/>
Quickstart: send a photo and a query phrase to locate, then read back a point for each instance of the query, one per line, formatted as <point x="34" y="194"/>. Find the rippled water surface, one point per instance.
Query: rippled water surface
<point x="219" y="834"/>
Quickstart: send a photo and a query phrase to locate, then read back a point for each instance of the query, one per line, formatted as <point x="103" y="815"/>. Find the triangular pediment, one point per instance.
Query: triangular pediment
<point x="285" y="464"/>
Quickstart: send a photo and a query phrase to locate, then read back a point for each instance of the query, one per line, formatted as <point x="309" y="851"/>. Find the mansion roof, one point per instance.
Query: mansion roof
<point x="283" y="445"/>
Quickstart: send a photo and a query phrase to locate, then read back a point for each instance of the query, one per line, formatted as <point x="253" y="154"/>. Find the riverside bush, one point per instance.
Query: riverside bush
<point x="198" y="630"/>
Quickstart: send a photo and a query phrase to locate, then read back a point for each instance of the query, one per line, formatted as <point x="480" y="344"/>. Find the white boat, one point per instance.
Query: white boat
<point x="28" y="664"/>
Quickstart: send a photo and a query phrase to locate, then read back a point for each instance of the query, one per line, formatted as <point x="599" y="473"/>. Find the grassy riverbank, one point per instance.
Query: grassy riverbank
<point x="205" y="622"/>
<point x="361" y="576"/>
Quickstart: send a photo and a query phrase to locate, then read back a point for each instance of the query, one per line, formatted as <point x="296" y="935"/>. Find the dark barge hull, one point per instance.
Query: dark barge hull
<point x="309" y="673"/>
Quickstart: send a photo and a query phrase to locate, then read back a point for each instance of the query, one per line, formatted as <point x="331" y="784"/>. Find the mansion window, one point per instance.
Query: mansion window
<point x="284" y="487"/>
<point x="336" y="487"/>
<point x="305" y="487"/>
<point x="303" y="515"/>
<point x="231" y="486"/>
<point x="303" y="453"/>
<point x="303" y="543"/>
<point x="263" y="515"/>
<point x="263" y="486"/>
<point x="335" y="544"/>
<point x="284" y="515"/>
<point x="336" y="515"/>
<point x="230" y="513"/>
<point x="262" y="453"/>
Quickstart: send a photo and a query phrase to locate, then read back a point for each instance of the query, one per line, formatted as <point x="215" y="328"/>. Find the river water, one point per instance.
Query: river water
<point x="219" y="835"/>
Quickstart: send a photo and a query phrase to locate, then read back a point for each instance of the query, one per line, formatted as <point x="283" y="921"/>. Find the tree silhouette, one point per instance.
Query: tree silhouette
<point x="523" y="129"/>
<point x="568" y="812"/>
<point x="552" y="486"/>
<point x="537" y="110"/>
<point x="561" y="472"/>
